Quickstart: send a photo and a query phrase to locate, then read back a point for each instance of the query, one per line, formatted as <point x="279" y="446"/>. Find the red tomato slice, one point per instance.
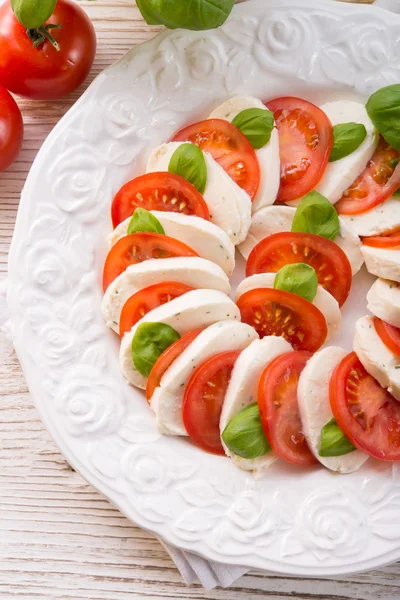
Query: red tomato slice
<point x="275" y="312"/>
<point x="229" y="147"/>
<point x="328" y="259"/>
<point x="277" y="401"/>
<point x="137" y="247"/>
<point x="158" y="191"/>
<point x="391" y="240"/>
<point x="203" y="400"/>
<point x="305" y="144"/>
<point x="166" y="359"/>
<point x="366" y="413"/>
<point x="138" y="305"/>
<point x="389" y="335"/>
<point x="379" y="180"/>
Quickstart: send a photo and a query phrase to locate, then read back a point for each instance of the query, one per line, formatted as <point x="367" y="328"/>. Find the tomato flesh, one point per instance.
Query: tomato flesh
<point x="203" y="400"/>
<point x="137" y="247"/>
<point x="305" y="144"/>
<point x="229" y="147"/>
<point x="391" y="240"/>
<point x="275" y="312"/>
<point x="11" y="129"/>
<point x="379" y="180"/>
<point x="279" y="411"/>
<point x="389" y="335"/>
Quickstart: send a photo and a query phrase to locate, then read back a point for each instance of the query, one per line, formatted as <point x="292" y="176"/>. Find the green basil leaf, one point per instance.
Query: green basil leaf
<point x="347" y="137"/>
<point x="244" y="435"/>
<point x="143" y="220"/>
<point x="188" y="162"/>
<point x="256" y="124"/>
<point x="297" y="278"/>
<point x="196" y="14"/>
<point x="31" y="13"/>
<point x="333" y="441"/>
<point x="396" y="193"/>
<point x="149" y="342"/>
<point x="383" y="108"/>
<point x="315" y="214"/>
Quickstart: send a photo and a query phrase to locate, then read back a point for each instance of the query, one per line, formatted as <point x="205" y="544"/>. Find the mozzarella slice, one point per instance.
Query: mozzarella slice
<point x="192" y="271"/>
<point x="315" y="409"/>
<point x="323" y="299"/>
<point x="168" y="397"/>
<point x="379" y="220"/>
<point x="274" y="219"/>
<point x="382" y="262"/>
<point x="268" y="156"/>
<point x="377" y="359"/>
<point x="384" y="301"/>
<point x="243" y="388"/>
<point x="208" y="240"/>
<point x="193" y="310"/>
<point x="229" y="205"/>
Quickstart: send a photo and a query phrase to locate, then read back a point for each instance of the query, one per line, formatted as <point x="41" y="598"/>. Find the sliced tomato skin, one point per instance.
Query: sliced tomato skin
<point x="389" y="334"/>
<point x="137" y="247"/>
<point x="372" y="424"/>
<point x="304" y="150"/>
<point x="202" y="404"/>
<point x="258" y="308"/>
<point x="229" y="147"/>
<point x="328" y="259"/>
<point x="166" y="359"/>
<point x="390" y="240"/>
<point x="377" y="182"/>
<point x="280" y="417"/>
<point x="148" y="191"/>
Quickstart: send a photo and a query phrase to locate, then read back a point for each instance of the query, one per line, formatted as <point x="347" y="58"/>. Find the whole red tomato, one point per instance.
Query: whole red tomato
<point x="43" y="72"/>
<point x="11" y="129"/>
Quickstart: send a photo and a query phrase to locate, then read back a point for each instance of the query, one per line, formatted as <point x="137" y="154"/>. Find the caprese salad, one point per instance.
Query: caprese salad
<point x="308" y="195"/>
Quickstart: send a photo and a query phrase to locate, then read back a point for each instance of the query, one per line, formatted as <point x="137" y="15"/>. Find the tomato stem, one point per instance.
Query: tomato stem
<point x="41" y="34"/>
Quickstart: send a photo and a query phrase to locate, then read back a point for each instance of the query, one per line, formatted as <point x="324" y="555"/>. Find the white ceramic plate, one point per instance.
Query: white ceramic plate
<point x="303" y="522"/>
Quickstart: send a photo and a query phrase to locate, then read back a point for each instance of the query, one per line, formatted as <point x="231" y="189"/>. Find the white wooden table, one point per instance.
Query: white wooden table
<point x="59" y="538"/>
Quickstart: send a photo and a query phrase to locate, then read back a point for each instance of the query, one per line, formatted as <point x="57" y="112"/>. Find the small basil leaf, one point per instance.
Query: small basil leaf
<point x="188" y="162"/>
<point x="244" y="435"/>
<point x="256" y="124"/>
<point x="315" y="214"/>
<point x="196" y="14"/>
<point x="383" y="108"/>
<point x="397" y="193"/>
<point x="143" y="220"/>
<point x="347" y="137"/>
<point x="333" y="441"/>
<point x="297" y="278"/>
<point x="149" y="342"/>
<point x="31" y="13"/>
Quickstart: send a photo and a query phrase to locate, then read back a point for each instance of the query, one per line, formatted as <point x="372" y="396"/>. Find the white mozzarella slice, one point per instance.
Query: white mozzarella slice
<point x="205" y="238"/>
<point x="323" y="299"/>
<point x="379" y="220"/>
<point x="341" y="174"/>
<point x="315" y="409"/>
<point x="384" y="301"/>
<point x="229" y="205"/>
<point x="192" y="271"/>
<point x="242" y="391"/>
<point x="196" y="309"/>
<point x="274" y="219"/>
<point x="382" y="262"/>
<point x="168" y="397"/>
<point x="268" y="156"/>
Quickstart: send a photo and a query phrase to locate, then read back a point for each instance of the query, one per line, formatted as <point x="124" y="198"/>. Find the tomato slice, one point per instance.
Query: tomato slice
<point x="280" y="417"/>
<point x="328" y="259"/>
<point x="275" y="312"/>
<point x="137" y="247"/>
<point x="389" y="335"/>
<point x="203" y="400"/>
<point x="391" y="240"/>
<point x="229" y="147"/>
<point x="139" y="304"/>
<point x="366" y="413"/>
<point x="158" y="191"/>
<point x="305" y="144"/>
<point x="379" y="180"/>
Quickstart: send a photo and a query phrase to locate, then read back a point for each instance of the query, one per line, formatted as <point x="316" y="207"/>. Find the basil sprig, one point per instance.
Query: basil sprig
<point x="196" y="14"/>
<point x="333" y="441"/>
<point x="188" y="162"/>
<point x="256" y="124"/>
<point x="315" y="214"/>
<point x="347" y="137"/>
<point x="143" y="220"/>
<point x="149" y="342"/>
<point x="244" y="435"/>
<point x="383" y="108"/>
<point x="297" y="278"/>
<point x="32" y="14"/>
